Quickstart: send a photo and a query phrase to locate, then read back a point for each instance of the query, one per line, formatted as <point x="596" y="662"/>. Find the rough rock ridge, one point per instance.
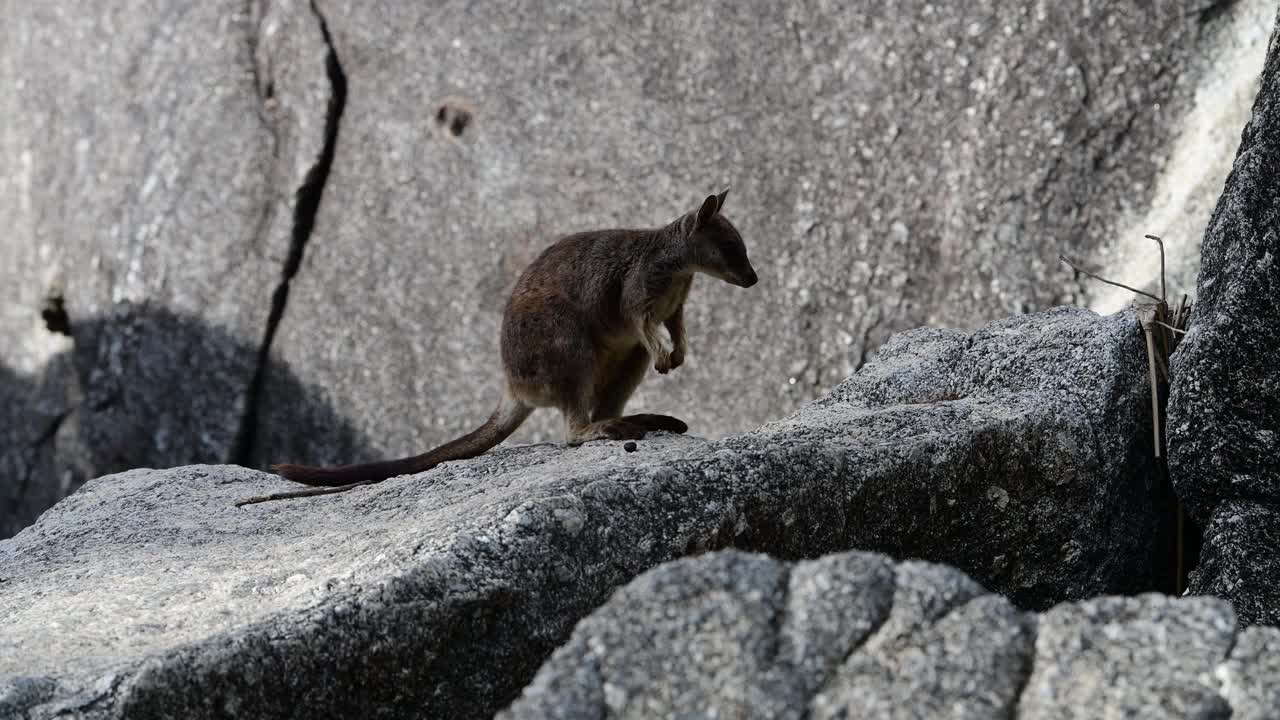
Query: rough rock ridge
<point x="856" y="635"/>
<point x="1224" y="401"/>
<point x="1016" y="452"/>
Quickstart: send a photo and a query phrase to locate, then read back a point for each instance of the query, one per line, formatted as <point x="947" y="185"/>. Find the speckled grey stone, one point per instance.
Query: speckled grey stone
<point x="148" y="180"/>
<point x="947" y="649"/>
<point x="891" y="166"/>
<point x="889" y="169"/>
<point x="699" y="638"/>
<point x="1224" y="402"/>
<point x="1250" y="679"/>
<point x="147" y="594"/>
<point x="942" y="404"/>
<point x="732" y="635"/>
<point x="1150" y="656"/>
<point x="1239" y="561"/>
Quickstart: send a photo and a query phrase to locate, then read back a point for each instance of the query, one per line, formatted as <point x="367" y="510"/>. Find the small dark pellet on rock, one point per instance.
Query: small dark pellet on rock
<point x="630" y="446"/>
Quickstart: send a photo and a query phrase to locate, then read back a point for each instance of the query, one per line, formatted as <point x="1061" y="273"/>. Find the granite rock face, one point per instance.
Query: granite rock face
<point x="148" y="164"/>
<point x="1224" y="404"/>
<point x="1249" y="676"/>
<point x="1003" y="452"/>
<point x="1238" y="561"/>
<point x="891" y="167"/>
<point x="856" y="635"/>
<point x="163" y="173"/>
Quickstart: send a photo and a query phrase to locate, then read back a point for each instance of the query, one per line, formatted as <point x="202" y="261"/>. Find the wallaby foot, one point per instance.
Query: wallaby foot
<point x="614" y="429"/>
<point x="650" y="421"/>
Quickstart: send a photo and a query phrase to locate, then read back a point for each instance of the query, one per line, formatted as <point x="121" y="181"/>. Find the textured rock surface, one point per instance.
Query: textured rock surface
<point x="1001" y="451"/>
<point x="854" y="635"/>
<point x="1224" y="404"/>
<point x="1239" y="561"/>
<point x="1150" y="656"/>
<point x="1251" y="678"/>
<point x="148" y="162"/>
<point x="746" y="636"/>
<point x="892" y="166"/>
<point x="950" y="408"/>
<point x="1195" y="164"/>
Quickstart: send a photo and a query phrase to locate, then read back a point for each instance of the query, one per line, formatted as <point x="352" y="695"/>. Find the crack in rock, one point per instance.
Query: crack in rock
<point x="45" y="436"/>
<point x="307" y="204"/>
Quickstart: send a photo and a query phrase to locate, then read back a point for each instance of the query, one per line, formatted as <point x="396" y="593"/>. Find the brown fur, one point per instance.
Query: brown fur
<point x="579" y="333"/>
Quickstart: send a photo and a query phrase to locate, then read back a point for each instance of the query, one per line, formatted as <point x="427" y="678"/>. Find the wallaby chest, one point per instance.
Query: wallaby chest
<point x="665" y="304"/>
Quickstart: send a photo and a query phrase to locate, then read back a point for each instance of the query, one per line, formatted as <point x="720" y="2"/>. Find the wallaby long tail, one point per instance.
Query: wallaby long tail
<point x="508" y="416"/>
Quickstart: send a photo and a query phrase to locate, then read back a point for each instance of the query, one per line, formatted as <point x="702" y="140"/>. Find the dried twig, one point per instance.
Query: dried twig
<point x="1160" y="345"/>
<point x="1163" y="294"/>
<point x="1148" y="317"/>
<point x="1079" y="269"/>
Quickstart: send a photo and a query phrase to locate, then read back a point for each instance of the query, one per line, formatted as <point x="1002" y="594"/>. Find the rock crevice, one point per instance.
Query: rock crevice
<point x="306" y="206"/>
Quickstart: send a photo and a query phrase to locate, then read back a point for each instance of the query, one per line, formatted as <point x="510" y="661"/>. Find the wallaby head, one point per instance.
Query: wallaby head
<point x="713" y="245"/>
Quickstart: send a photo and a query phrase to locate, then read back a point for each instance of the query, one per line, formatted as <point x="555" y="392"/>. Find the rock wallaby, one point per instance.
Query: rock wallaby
<point x="578" y="334"/>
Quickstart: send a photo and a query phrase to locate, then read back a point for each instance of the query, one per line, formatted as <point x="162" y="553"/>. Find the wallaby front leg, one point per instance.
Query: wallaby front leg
<point x="651" y="338"/>
<point x="675" y="326"/>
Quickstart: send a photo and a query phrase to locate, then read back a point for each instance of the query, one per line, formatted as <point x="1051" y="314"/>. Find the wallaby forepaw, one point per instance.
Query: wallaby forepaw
<point x="663" y="364"/>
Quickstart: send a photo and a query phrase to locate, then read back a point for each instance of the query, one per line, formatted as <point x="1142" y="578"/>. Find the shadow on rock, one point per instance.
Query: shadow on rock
<point x="139" y="387"/>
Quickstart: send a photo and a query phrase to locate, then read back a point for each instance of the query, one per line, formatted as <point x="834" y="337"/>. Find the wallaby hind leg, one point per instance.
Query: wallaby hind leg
<point x="614" y="393"/>
<point x="650" y="421"/>
<point x="569" y="386"/>
<point x="614" y="389"/>
<point x="580" y="429"/>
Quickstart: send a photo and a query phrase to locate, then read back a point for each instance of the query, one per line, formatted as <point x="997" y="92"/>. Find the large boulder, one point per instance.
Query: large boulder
<point x="1239" y="562"/>
<point x="1194" y="163"/>
<point x="856" y="635"/>
<point x="148" y="166"/>
<point x="1224" y="410"/>
<point x="1249" y="676"/>
<point x="891" y="166"/>
<point x="162" y="170"/>
<point x="1019" y="453"/>
<point x="1224" y="403"/>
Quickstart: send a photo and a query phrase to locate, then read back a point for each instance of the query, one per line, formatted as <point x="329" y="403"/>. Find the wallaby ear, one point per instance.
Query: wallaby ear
<point x="720" y="200"/>
<point x="709" y="208"/>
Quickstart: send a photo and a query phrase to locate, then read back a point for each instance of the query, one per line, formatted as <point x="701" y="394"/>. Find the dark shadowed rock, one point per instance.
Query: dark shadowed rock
<point x="1018" y="452"/>
<point x="1224" y="404"/>
<point x="891" y="166"/>
<point x="1239" y="561"/>
<point x="716" y="636"/>
<point x="148" y="165"/>
<point x="166" y="390"/>
<point x="32" y="410"/>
